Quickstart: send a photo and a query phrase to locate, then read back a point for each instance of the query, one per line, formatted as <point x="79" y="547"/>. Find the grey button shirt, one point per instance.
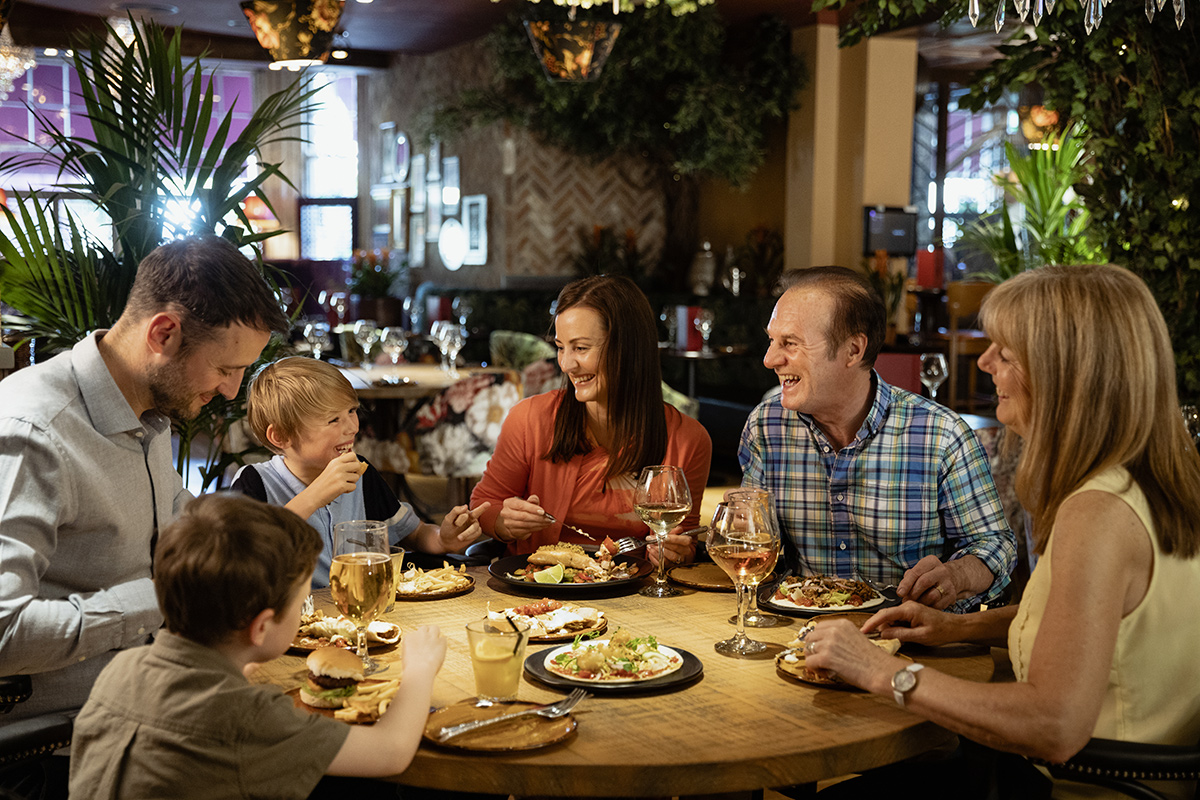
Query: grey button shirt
<point x="82" y="481"/>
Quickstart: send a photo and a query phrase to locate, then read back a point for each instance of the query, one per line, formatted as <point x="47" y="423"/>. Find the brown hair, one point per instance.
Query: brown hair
<point x="857" y="307"/>
<point x="227" y="559"/>
<point x="209" y="283"/>
<point x="629" y="363"/>
<point x="1101" y="377"/>
<point x="292" y="392"/>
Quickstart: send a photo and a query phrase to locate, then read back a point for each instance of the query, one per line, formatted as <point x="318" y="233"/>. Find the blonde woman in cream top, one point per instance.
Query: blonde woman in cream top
<point x="1105" y="642"/>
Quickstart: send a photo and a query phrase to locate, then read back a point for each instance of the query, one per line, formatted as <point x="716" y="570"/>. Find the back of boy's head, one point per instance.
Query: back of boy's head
<point x="291" y="392"/>
<point x="225" y="560"/>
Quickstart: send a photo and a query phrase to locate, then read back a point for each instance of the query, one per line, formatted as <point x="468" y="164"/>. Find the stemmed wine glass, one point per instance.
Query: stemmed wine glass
<point x="393" y="342"/>
<point x="704" y="323"/>
<point x="662" y="499"/>
<point x="754" y="617"/>
<point x="438" y="331"/>
<point x="360" y="577"/>
<point x="1191" y="419"/>
<point x="366" y="333"/>
<point x="317" y="336"/>
<point x="455" y="336"/>
<point x="667" y="318"/>
<point x="462" y="309"/>
<point x="933" y="372"/>
<point x="744" y="541"/>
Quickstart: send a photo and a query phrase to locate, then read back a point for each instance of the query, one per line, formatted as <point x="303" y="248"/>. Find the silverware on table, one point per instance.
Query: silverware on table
<point x="553" y="711"/>
<point x="580" y="531"/>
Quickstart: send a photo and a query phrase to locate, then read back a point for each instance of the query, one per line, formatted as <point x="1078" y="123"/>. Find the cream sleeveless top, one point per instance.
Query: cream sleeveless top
<point x="1153" y="692"/>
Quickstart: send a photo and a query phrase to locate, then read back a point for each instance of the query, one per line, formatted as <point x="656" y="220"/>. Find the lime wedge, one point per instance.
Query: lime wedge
<point x="550" y="575"/>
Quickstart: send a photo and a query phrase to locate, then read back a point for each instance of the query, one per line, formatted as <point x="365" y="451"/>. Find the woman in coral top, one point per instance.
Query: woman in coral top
<point x="576" y="452"/>
<point x="1104" y="640"/>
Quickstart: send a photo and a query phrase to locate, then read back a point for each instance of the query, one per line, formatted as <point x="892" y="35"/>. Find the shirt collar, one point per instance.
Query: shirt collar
<point x="107" y="407"/>
<point x="876" y="415"/>
<point x="181" y="650"/>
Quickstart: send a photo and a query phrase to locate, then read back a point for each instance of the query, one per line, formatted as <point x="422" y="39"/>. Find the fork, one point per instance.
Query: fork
<point x="580" y="531"/>
<point x="559" y="709"/>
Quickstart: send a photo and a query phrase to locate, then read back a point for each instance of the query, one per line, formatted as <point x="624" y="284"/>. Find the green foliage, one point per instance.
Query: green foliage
<point x="155" y="136"/>
<point x="1056" y="225"/>
<point x="1134" y="85"/>
<point x="370" y="276"/>
<point x="889" y="287"/>
<point x="685" y="92"/>
<point x="602" y="253"/>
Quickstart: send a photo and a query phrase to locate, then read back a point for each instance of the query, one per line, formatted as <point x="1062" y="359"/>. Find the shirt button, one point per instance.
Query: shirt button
<point x="141" y="631"/>
<point x="83" y="658"/>
<point x="139" y="434"/>
<point x="839" y="497"/>
<point x="842" y="546"/>
<point x="826" y="448"/>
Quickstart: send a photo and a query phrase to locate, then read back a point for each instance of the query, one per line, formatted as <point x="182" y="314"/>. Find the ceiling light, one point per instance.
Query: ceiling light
<point x="14" y="61"/>
<point x="572" y="51"/>
<point x="297" y="33"/>
<point x="340" y="55"/>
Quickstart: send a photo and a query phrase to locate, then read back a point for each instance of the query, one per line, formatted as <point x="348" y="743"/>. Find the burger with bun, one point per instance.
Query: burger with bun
<point x="333" y="676"/>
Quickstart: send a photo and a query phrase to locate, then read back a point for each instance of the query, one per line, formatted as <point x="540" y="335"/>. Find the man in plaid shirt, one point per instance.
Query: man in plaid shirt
<point x="870" y="481"/>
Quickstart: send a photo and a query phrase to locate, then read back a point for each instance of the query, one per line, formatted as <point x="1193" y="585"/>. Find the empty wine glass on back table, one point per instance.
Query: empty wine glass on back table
<point x="360" y="577"/>
<point x="662" y="499"/>
<point x="393" y="342"/>
<point x="933" y="372"/>
<point x="366" y="333"/>
<point x="744" y="541"/>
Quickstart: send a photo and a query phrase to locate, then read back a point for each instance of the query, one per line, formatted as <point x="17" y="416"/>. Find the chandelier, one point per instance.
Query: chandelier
<point x="297" y="33"/>
<point x="1093" y="11"/>
<point x="678" y="7"/>
<point x="14" y="61"/>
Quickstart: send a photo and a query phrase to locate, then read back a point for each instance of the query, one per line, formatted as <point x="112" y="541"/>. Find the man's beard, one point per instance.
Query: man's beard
<point x="170" y="393"/>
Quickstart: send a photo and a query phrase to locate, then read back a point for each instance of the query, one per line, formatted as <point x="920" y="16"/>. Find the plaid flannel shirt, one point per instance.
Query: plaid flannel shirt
<point x="914" y="482"/>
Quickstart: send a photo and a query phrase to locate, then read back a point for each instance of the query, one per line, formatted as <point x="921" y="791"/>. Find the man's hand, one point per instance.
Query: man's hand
<point x="939" y="585"/>
<point x="460" y="527"/>
<point x="520" y="519"/>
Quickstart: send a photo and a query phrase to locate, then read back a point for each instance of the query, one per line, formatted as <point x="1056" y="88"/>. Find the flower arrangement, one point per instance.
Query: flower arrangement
<point x="678" y="7"/>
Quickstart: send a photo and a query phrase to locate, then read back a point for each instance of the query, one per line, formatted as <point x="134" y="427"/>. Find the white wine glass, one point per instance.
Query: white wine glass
<point x="455" y="336"/>
<point x="744" y="541"/>
<point x="366" y="333"/>
<point x="317" y="336"/>
<point x="754" y="617"/>
<point x="360" y="577"/>
<point x="662" y="499"/>
<point x="393" y="341"/>
<point x="704" y="323"/>
<point x="933" y="372"/>
<point x="439" y="331"/>
<point x="462" y="309"/>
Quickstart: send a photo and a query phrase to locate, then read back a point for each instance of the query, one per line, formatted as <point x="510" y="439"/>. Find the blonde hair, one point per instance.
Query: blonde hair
<point x="1101" y="377"/>
<point x="291" y="392"/>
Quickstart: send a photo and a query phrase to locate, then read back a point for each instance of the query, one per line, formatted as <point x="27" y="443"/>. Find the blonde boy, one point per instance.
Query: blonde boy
<point x="306" y="412"/>
<point x="179" y="719"/>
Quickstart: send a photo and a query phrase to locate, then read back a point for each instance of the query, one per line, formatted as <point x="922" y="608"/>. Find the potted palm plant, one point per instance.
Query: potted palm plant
<point x="156" y="138"/>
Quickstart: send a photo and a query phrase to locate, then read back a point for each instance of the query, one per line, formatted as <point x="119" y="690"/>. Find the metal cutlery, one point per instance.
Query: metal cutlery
<point x="553" y="711"/>
<point x="580" y="531"/>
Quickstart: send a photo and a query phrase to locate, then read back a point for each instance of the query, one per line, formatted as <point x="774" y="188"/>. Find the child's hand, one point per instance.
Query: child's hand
<point x="339" y="477"/>
<point x="424" y="650"/>
<point x="460" y="527"/>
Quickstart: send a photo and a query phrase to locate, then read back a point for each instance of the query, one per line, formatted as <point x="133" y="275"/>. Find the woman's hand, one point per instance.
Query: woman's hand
<point x="680" y="549"/>
<point x="913" y="622"/>
<point x="838" y="646"/>
<point x="520" y="519"/>
<point x="460" y="527"/>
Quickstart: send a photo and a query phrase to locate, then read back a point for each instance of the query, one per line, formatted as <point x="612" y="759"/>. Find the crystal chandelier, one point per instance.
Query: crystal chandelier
<point x="14" y="61"/>
<point x="1093" y="11"/>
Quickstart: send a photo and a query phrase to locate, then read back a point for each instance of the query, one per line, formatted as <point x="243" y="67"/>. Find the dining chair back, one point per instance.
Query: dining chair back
<point x="963" y="301"/>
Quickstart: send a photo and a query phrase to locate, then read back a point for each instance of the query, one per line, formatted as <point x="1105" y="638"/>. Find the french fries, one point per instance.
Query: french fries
<point x="369" y="703"/>
<point x="433" y="581"/>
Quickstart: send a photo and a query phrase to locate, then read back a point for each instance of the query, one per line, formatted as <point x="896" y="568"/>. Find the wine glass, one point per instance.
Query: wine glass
<point x="744" y="541"/>
<point x="704" y="323"/>
<point x="317" y="336"/>
<point x="393" y="341"/>
<point x="667" y="318"/>
<point x="1191" y="419"/>
<point x="933" y="372"/>
<point x="755" y="618"/>
<point x="366" y="333"/>
<point x="454" y="336"/>
<point x="360" y="577"/>
<point x="662" y="499"/>
<point x="462" y="309"/>
<point x="437" y="332"/>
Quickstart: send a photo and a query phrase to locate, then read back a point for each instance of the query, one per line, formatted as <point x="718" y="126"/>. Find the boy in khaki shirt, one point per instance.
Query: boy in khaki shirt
<point x="179" y="719"/>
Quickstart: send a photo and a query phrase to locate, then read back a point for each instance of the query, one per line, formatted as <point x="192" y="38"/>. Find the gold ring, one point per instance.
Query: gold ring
<point x="812" y="647"/>
<point x="941" y="591"/>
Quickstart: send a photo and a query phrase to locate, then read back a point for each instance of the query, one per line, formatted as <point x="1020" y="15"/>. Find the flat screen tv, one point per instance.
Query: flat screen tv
<point x="890" y="229"/>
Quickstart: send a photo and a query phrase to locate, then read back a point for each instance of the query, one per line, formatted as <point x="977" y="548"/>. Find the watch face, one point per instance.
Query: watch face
<point x="904" y="681"/>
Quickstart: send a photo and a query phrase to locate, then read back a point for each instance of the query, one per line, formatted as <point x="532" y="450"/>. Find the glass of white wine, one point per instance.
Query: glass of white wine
<point x="933" y="372"/>
<point x="755" y="618"/>
<point x="366" y="334"/>
<point x="744" y="541"/>
<point x="662" y="499"/>
<point x="360" y="577"/>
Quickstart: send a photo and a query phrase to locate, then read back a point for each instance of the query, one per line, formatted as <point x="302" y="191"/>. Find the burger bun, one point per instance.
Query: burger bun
<point x="335" y="662"/>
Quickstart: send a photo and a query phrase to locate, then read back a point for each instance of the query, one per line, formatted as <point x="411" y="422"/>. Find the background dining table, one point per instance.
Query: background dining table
<point x="741" y="727"/>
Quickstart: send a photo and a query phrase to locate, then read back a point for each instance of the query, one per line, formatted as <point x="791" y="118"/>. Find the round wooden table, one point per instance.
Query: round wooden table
<point x="741" y="727"/>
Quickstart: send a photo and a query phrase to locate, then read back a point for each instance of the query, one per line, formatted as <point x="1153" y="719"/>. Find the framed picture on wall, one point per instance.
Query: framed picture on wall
<point x="381" y="210"/>
<point x="416" y="180"/>
<point x="387" y="154"/>
<point x="416" y="240"/>
<point x="400" y="218"/>
<point x="450" y="189"/>
<point x="474" y="218"/>
<point x="401" y="153"/>
<point x="433" y="208"/>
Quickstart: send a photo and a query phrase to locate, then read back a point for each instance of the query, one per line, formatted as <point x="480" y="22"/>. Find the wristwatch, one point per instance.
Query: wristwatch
<point x="904" y="681"/>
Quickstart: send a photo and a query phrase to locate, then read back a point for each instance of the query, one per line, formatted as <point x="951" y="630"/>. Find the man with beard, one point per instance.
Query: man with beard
<point x="86" y="471"/>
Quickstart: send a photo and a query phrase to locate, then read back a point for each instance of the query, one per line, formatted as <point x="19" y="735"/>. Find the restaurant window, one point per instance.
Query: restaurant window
<point x="330" y="183"/>
<point x="956" y="153"/>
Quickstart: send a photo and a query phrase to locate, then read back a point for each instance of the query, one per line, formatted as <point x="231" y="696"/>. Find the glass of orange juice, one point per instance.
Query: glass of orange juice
<point x="497" y="655"/>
